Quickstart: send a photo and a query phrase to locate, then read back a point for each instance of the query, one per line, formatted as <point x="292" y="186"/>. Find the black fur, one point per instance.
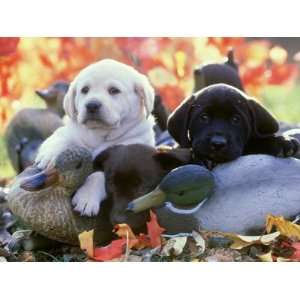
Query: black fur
<point x="221" y="123"/>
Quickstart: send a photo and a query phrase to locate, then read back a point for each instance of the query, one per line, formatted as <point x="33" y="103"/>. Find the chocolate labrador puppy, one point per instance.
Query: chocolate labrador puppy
<point x="221" y="123"/>
<point x="132" y="171"/>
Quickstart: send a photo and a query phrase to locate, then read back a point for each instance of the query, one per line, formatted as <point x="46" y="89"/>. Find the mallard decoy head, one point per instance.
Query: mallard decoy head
<point x="184" y="187"/>
<point x="70" y="170"/>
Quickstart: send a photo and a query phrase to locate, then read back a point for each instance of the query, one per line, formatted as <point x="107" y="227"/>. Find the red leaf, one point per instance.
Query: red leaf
<point x="296" y="254"/>
<point x="154" y="231"/>
<point x="281" y="74"/>
<point x="172" y="95"/>
<point x="254" y="76"/>
<point x="46" y="61"/>
<point x="225" y="43"/>
<point x="114" y="250"/>
<point x="8" y="45"/>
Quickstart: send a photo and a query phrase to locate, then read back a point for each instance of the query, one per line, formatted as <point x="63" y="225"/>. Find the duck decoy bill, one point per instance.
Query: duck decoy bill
<point x="153" y="199"/>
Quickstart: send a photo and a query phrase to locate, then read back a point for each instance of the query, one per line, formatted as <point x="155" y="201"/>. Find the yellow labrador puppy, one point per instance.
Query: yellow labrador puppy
<point x="108" y="103"/>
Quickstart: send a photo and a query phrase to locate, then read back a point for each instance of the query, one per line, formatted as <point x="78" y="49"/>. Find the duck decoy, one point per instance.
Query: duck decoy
<point x="184" y="186"/>
<point x="42" y="199"/>
<point x="227" y="72"/>
<point x="245" y="192"/>
<point x="31" y="126"/>
<point x="54" y="96"/>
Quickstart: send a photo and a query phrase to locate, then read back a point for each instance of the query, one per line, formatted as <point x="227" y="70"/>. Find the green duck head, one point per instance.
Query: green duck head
<point x="183" y="187"/>
<point x="70" y="170"/>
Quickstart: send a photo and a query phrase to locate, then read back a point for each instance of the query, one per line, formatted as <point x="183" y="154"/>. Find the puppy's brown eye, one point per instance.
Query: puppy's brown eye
<point x="114" y="91"/>
<point x="204" y="117"/>
<point x="236" y="119"/>
<point x="85" y="90"/>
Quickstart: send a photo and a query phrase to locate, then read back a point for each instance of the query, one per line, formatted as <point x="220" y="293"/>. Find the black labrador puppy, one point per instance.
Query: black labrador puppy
<point x="221" y="123"/>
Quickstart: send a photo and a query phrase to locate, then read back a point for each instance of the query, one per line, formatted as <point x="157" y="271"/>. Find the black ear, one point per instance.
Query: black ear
<point x="173" y="158"/>
<point x="100" y="159"/>
<point x="178" y="122"/>
<point x="262" y="122"/>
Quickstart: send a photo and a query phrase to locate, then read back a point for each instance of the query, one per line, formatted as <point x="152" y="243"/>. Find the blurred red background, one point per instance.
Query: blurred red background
<point x="30" y="63"/>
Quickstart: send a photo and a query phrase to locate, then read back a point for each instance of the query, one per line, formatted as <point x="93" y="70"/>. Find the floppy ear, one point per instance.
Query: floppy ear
<point x="263" y="123"/>
<point x="69" y="102"/>
<point x="173" y="158"/>
<point x="178" y="122"/>
<point x="146" y="93"/>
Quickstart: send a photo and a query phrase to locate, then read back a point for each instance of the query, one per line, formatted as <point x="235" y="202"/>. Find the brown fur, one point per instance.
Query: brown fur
<point x="132" y="171"/>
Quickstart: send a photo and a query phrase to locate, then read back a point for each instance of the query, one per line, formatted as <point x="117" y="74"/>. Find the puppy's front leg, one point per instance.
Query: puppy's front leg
<point x="274" y="145"/>
<point x="89" y="196"/>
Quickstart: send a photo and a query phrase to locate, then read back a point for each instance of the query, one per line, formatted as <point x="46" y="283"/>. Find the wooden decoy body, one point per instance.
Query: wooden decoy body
<point x="31" y="126"/>
<point x="245" y="191"/>
<point x="42" y="199"/>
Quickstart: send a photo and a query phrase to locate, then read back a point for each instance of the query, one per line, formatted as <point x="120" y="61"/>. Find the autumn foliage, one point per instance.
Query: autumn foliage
<point x="30" y="63"/>
<point x="126" y="240"/>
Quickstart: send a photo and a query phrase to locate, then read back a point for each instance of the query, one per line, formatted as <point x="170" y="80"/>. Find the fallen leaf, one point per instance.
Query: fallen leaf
<point x="200" y="242"/>
<point x="296" y="254"/>
<point x="154" y="231"/>
<point x="223" y="255"/>
<point x="174" y="246"/>
<point x="124" y="230"/>
<point x="267" y="257"/>
<point x="137" y="242"/>
<point x="283" y="259"/>
<point x="285" y="227"/>
<point x="143" y="242"/>
<point x="134" y="258"/>
<point x="114" y="250"/>
<point x="86" y="242"/>
<point x="242" y="241"/>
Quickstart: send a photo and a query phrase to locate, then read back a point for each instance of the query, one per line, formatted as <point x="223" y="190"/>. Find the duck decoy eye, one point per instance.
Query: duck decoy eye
<point x="79" y="165"/>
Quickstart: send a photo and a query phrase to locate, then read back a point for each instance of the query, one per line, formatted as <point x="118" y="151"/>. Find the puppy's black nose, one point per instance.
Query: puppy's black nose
<point x="93" y="106"/>
<point x="218" y="142"/>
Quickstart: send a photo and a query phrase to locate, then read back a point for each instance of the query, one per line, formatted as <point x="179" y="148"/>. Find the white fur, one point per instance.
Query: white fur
<point x="86" y="200"/>
<point x="124" y="118"/>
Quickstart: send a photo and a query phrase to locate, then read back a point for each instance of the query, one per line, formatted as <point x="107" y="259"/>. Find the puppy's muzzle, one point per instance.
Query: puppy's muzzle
<point x="93" y="107"/>
<point x="218" y="143"/>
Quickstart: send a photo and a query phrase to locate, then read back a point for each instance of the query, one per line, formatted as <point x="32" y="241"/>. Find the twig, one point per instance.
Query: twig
<point x="49" y="255"/>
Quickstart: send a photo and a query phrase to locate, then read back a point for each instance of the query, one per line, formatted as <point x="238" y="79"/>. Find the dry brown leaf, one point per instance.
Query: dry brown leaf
<point x="267" y="257"/>
<point x="283" y="259"/>
<point x="242" y="241"/>
<point x="86" y="242"/>
<point x="285" y="227"/>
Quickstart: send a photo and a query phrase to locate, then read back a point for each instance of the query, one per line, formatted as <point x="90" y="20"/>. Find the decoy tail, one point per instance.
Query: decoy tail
<point x="230" y="59"/>
<point x="41" y="180"/>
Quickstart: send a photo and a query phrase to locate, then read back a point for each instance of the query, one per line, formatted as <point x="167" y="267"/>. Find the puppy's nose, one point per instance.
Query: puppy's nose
<point x="93" y="106"/>
<point x="218" y="142"/>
